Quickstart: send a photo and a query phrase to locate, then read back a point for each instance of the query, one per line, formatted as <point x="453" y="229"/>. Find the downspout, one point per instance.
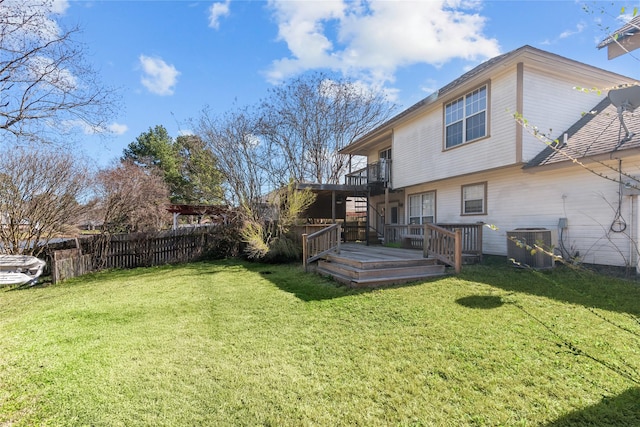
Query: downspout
<point x="519" y="154"/>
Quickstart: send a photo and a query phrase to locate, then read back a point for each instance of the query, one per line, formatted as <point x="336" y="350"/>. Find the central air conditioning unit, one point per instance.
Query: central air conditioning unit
<point x="521" y="244"/>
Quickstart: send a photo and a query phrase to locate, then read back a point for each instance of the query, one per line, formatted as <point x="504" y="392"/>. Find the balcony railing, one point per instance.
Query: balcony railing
<point x="375" y="173"/>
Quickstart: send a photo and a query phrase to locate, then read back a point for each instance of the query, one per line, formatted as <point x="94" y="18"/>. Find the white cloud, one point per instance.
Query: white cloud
<point x="580" y="27"/>
<point x="158" y="76"/>
<point x="217" y="11"/>
<point x="568" y="33"/>
<point x="87" y="129"/>
<point x="42" y="25"/>
<point x="373" y="38"/>
<point x="59" y="6"/>
<point x="117" y="128"/>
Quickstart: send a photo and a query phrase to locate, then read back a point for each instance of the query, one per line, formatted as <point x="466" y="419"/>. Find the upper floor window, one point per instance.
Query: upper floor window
<point x="474" y="199"/>
<point x="466" y="118"/>
<point x="386" y="154"/>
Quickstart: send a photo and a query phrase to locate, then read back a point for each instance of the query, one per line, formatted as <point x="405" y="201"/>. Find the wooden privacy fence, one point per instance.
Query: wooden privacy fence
<point x="68" y="263"/>
<point x="93" y="253"/>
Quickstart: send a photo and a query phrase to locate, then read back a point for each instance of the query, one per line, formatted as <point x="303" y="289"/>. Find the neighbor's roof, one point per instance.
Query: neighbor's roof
<point x="598" y="132"/>
<point x="628" y="29"/>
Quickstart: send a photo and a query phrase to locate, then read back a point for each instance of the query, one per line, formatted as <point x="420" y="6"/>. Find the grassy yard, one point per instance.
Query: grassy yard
<point x="232" y="344"/>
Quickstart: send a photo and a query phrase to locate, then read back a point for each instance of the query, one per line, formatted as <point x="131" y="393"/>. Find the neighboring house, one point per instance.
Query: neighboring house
<point x="459" y="156"/>
<point x="623" y="40"/>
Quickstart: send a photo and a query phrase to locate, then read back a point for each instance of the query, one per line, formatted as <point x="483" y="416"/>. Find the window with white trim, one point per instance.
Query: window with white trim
<point x="466" y="118"/>
<point x="474" y="199"/>
<point x="422" y="208"/>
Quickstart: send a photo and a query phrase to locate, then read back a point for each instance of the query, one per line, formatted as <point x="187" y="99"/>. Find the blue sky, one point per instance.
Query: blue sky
<point x="170" y="59"/>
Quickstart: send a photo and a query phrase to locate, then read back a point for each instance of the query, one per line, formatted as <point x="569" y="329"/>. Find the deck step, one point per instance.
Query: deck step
<point x="372" y="264"/>
<point x="377" y="273"/>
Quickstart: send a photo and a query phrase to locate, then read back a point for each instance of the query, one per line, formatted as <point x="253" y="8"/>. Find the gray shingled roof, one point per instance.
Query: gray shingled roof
<point x="626" y="30"/>
<point x="597" y="132"/>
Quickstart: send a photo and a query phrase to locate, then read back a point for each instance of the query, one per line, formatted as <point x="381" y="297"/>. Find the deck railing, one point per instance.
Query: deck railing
<point x="439" y="240"/>
<point x="443" y="245"/>
<point x="320" y="243"/>
<point x="375" y="173"/>
<point x="471" y="235"/>
<point x="410" y="236"/>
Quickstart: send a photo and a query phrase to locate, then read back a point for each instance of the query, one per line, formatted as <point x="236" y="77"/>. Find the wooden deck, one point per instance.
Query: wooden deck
<point x="359" y="265"/>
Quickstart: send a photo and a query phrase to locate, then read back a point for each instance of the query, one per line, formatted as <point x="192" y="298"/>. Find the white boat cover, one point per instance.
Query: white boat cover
<point x="19" y="269"/>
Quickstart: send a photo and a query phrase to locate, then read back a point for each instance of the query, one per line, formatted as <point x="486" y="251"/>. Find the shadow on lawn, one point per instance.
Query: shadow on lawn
<point x="307" y="287"/>
<point x="621" y="410"/>
<point x="481" y="301"/>
<point x="564" y="284"/>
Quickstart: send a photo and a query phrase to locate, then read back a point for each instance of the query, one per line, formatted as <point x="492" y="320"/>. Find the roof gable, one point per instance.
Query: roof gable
<point x="483" y="70"/>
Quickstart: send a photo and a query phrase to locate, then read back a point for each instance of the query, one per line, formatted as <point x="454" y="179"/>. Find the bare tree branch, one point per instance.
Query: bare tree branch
<point x="46" y="88"/>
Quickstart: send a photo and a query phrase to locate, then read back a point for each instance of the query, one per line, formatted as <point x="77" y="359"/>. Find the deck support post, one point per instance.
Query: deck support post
<point x="458" y="250"/>
<point x="304" y="251"/>
<point x="333" y="206"/>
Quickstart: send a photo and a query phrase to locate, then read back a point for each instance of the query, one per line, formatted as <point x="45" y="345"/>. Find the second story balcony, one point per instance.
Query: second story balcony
<point x="374" y="174"/>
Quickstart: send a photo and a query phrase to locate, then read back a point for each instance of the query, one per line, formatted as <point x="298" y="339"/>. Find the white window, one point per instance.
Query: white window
<point x="474" y="199"/>
<point x="422" y="208"/>
<point x="466" y="118"/>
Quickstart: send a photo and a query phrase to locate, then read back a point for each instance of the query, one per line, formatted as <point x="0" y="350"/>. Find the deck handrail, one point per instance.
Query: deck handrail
<point x="471" y="236"/>
<point x="444" y="245"/>
<point x="320" y="243"/>
<point x="374" y="173"/>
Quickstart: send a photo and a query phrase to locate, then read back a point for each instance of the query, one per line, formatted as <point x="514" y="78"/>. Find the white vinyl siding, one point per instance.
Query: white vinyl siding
<point x="538" y="199"/>
<point x="418" y="144"/>
<point x="554" y="114"/>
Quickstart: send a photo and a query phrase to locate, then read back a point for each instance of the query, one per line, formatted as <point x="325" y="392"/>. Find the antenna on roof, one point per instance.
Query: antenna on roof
<point x="625" y="99"/>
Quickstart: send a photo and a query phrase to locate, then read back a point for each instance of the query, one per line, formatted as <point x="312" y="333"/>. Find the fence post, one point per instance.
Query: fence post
<point x="458" y="250"/>
<point x="304" y="251"/>
<point x="339" y="238"/>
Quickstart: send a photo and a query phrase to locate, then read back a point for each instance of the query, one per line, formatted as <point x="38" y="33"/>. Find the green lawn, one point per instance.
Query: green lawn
<point x="232" y="344"/>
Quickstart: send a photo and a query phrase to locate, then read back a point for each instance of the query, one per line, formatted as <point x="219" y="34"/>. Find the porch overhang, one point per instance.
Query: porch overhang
<point x="331" y="199"/>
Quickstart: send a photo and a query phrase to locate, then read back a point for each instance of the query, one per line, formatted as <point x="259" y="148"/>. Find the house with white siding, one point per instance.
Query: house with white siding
<point x="460" y="156"/>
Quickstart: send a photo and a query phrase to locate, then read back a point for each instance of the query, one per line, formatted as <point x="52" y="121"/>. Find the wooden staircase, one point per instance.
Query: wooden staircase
<point x="377" y="271"/>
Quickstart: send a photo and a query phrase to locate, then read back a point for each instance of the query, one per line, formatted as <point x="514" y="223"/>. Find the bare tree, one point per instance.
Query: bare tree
<point x="311" y="118"/>
<point x="46" y="88"/>
<point x="132" y="199"/>
<point x="294" y="135"/>
<point x="255" y="180"/>
<point x="39" y="193"/>
<point x="245" y="162"/>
